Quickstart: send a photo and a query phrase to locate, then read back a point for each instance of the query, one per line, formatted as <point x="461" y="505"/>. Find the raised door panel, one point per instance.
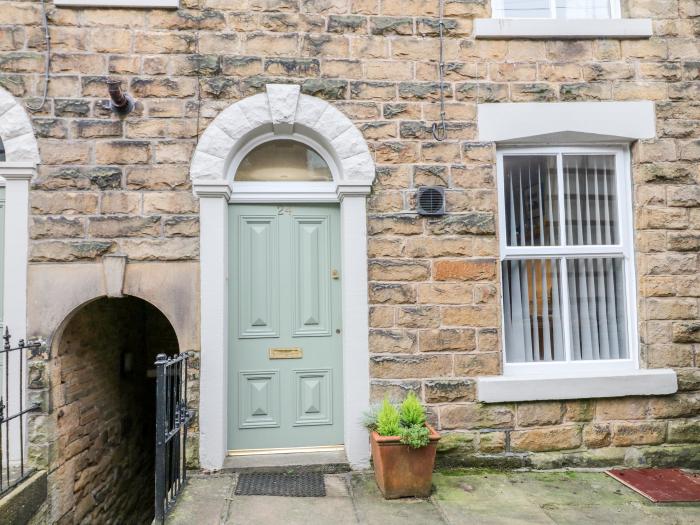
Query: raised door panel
<point x="258" y="399"/>
<point x="314" y="397"/>
<point x="311" y="276"/>
<point x="258" y="279"/>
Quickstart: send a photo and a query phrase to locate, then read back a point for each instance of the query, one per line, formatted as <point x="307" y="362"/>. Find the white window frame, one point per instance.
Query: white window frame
<point x="624" y="249"/>
<point x="498" y="11"/>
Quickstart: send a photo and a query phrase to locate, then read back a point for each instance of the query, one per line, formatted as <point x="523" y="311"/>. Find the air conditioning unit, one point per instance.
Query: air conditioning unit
<point x="430" y="200"/>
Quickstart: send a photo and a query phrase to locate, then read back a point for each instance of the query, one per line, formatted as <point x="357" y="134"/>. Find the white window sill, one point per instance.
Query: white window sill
<point x="503" y="389"/>
<point x="143" y="4"/>
<point x="558" y="28"/>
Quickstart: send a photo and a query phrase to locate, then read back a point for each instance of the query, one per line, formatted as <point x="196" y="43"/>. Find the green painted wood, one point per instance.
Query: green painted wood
<point x="283" y="294"/>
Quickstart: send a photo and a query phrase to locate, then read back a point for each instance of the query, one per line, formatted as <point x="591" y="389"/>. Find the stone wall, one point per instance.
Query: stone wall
<point x="102" y="414"/>
<point x="121" y="185"/>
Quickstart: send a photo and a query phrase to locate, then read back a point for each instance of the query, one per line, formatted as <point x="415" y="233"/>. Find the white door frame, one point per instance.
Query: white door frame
<point x="16" y="172"/>
<point x="281" y="112"/>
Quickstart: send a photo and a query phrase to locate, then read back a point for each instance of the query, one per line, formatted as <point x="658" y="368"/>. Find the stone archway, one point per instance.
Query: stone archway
<point x="102" y="401"/>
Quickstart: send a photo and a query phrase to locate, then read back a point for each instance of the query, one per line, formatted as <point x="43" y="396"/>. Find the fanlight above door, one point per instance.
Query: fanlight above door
<point x="283" y="160"/>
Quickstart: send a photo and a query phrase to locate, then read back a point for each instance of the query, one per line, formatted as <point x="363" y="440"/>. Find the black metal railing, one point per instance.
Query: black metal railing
<point x="13" y="408"/>
<point x="172" y="420"/>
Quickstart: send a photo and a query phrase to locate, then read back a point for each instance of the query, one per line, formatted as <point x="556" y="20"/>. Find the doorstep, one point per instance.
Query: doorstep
<point x="329" y="462"/>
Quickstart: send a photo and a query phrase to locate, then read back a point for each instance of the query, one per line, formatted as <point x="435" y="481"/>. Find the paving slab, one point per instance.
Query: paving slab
<point x="203" y="500"/>
<point x="373" y="509"/>
<point x="484" y="499"/>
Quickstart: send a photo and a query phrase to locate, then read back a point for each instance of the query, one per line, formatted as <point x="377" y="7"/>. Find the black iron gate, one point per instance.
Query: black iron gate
<point x="13" y="468"/>
<point x="172" y="420"/>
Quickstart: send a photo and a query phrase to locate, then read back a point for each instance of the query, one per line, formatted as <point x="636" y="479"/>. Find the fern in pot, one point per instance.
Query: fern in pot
<point x="403" y="448"/>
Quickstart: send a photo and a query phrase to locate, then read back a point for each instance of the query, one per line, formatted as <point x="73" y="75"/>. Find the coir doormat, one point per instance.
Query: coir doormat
<point x="302" y="485"/>
<point x="660" y="485"/>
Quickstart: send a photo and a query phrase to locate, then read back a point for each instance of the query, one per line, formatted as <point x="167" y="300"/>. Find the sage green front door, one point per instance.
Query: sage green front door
<point x="285" y="359"/>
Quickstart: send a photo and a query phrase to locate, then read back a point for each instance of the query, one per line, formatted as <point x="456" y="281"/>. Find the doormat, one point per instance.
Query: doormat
<point x="303" y="485"/>
<point x="660" y="485"/>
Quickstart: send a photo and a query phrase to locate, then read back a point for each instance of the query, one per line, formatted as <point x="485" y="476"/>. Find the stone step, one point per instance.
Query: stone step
<point x="331" y="462"/>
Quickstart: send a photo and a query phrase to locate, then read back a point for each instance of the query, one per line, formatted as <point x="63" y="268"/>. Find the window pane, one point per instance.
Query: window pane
<point x="283" y="160"/>
<point x="591" y="200"/>
<point x="532" y="310"/>
<point x="597" y="308"/>
<point x="2" y="151"/>
<point x="531" y="200"/>
<point x="526" y="9"/>
<point x="583" y="8"/>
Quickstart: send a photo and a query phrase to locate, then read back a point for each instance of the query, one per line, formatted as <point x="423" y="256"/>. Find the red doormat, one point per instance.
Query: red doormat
<point x="660" y="485"/>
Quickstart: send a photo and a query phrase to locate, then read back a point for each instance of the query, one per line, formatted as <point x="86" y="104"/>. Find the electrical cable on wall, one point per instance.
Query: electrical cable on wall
<point x="47" y="59"/>
<point x="440" y="130"/>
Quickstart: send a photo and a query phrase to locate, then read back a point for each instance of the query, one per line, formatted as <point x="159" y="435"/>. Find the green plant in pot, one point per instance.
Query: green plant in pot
<point x="403" y="448"/>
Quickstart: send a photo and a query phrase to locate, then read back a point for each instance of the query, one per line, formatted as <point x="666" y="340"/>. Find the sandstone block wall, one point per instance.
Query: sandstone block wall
<point x="108" y="184"/>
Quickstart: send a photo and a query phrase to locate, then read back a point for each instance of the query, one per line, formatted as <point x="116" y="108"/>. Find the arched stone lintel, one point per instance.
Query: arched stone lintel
<point x="16" y="131"/>
<point x="281" y="109"/>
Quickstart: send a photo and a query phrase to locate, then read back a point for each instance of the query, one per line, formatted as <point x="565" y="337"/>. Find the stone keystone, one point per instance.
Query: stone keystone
<point x="113" y="268"/>
<point x="283" y="100"/>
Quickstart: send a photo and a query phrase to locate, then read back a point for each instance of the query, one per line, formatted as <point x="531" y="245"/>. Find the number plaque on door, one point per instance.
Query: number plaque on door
<point x="285" y="353"/>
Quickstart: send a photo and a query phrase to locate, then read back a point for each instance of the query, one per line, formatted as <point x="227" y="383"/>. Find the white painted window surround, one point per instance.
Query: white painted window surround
<point x="560" y="19"/>
<point x="144" y="4"/>
<point x="553" y="128"/>
<point x="281" y="112"/>
<point x="21" y="158"/>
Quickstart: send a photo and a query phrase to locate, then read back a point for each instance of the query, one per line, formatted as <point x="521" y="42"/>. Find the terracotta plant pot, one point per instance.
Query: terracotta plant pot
<point x="402" y="471"/>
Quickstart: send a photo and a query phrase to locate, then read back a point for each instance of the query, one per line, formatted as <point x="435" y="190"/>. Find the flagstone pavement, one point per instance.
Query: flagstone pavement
<point x="465" y="497"/>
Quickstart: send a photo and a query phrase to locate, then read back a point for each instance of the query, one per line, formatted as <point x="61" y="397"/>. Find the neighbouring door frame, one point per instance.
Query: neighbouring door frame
<point x="281" y="112"/>
<point x="16" y="172"/>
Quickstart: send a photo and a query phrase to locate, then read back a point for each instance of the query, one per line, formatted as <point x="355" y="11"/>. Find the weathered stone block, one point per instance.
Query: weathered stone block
<point x="122" y="152"/>
<point x="449" y="390"/>
<point x="447" y="339"/>
<point x="478" y="315"/>
<point x="121" y="226"/>
<point x="546" y="439"/>
<point x="476" y="415"/>
<point x="464" y="270"/>
<point x="539" y="414"/>
<point x="687" y="431"/>
<point x="407" y="367"/>
<point x="391" y="293"/>
<point x="170" y="202"/>
<point x="625" y="434"/>
<point x="477" y="364"/>
<point x="392" y="341"/>
<point x="419" y="316"/>
<point x="63" y="203"/>
<point x="596" y="435"/>
<point x="395" y="391"/>
<point x="398" y="270"/>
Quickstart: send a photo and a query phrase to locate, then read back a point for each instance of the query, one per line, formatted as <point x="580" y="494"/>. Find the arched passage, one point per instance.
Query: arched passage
<point x="103" y="405"/>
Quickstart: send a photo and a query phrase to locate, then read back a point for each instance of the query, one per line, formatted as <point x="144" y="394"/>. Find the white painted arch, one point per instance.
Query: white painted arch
<point x="21" y="158"/>
<point x="281" y="112"/>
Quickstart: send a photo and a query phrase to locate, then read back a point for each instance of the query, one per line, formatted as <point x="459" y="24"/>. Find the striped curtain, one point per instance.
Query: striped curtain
<point x="532" y="287"/>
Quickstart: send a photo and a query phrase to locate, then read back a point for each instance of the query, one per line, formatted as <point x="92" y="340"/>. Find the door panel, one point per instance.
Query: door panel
<point x="259" y="399"/>
<point x="285" y="346"/>
<point x="259" y="276"/>
<point x="314" y="397"/>
<point x="312" y="268"/>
